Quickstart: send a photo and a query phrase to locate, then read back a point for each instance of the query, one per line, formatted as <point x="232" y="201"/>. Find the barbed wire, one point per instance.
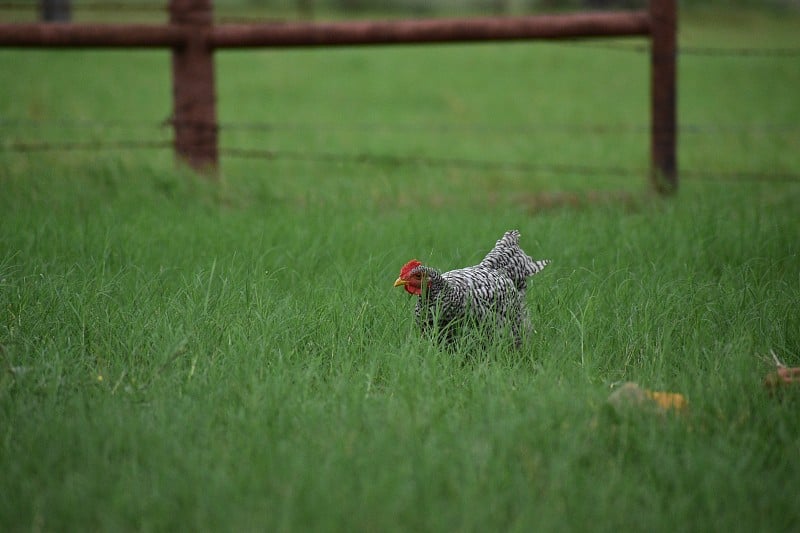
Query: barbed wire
<point x="571" y="128"/>
<point x="415" y="160"/>
<point x="508" y="128"/>
<point x="68" y="146"/>
<point x="710" y="51"/>
<point x="396" y="160"/>
<point x="65" y="123"/>
<point x="489" y="165"/>
<point x="700" y="51"/>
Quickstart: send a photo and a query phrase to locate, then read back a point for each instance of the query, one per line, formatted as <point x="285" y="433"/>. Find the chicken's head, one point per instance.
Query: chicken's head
<point x="411" y="277"/>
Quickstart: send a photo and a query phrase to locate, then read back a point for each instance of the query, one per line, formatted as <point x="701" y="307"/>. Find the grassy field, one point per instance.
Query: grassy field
<point x="179" y="354"/>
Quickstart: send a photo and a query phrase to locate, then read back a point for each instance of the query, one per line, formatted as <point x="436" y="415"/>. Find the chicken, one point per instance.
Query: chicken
<point x="489" y="295"/>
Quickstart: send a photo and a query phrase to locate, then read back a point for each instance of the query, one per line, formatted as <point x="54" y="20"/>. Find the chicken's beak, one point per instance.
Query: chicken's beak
<point x="400" y="281"/>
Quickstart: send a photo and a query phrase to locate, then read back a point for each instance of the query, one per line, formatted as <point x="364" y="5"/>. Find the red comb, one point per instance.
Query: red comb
<point x="408" y="267"/>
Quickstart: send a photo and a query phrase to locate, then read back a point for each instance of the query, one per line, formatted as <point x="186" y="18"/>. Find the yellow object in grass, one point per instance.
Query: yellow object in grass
<point x="668" y="400"/>
<point x="630" y="395"/>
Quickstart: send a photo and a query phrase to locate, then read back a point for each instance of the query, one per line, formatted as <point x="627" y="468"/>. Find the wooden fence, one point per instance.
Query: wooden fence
<point x="193" y="38"/>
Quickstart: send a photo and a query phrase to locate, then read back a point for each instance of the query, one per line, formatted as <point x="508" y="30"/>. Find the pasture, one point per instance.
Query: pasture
<point x="183" y="354"/>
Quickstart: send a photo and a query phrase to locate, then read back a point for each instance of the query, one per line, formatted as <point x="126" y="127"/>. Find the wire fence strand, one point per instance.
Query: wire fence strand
<point x="90" y="146"/>
<point x="698" y="51"/>
<point x="395" y="160"/>
<point x="569" y="128"/>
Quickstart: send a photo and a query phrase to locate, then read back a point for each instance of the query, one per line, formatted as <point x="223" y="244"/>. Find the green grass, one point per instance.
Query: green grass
<point x="184" y="355"/>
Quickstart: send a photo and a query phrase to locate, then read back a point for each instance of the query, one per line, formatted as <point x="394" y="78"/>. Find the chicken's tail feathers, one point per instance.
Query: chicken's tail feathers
<point x="508" y="257"/>
<point x="538" y="265"/>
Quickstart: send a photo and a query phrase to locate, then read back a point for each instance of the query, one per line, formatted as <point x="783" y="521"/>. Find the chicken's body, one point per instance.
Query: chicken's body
<point x="489" y="295"/>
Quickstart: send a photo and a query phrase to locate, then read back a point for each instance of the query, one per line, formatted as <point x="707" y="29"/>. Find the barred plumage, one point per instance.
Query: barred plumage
<point x="490" y="294"/>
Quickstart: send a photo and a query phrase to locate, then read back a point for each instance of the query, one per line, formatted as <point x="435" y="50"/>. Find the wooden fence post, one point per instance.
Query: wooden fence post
<point x="194" y="100"/>
<point x="663" y="142"/>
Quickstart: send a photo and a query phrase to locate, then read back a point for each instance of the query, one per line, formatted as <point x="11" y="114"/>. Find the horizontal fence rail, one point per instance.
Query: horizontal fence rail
<point x="301" y="34"/>
<point x="431" y="31"/>
<point x="193" y="36"/>
<point x="40" y="35"/>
